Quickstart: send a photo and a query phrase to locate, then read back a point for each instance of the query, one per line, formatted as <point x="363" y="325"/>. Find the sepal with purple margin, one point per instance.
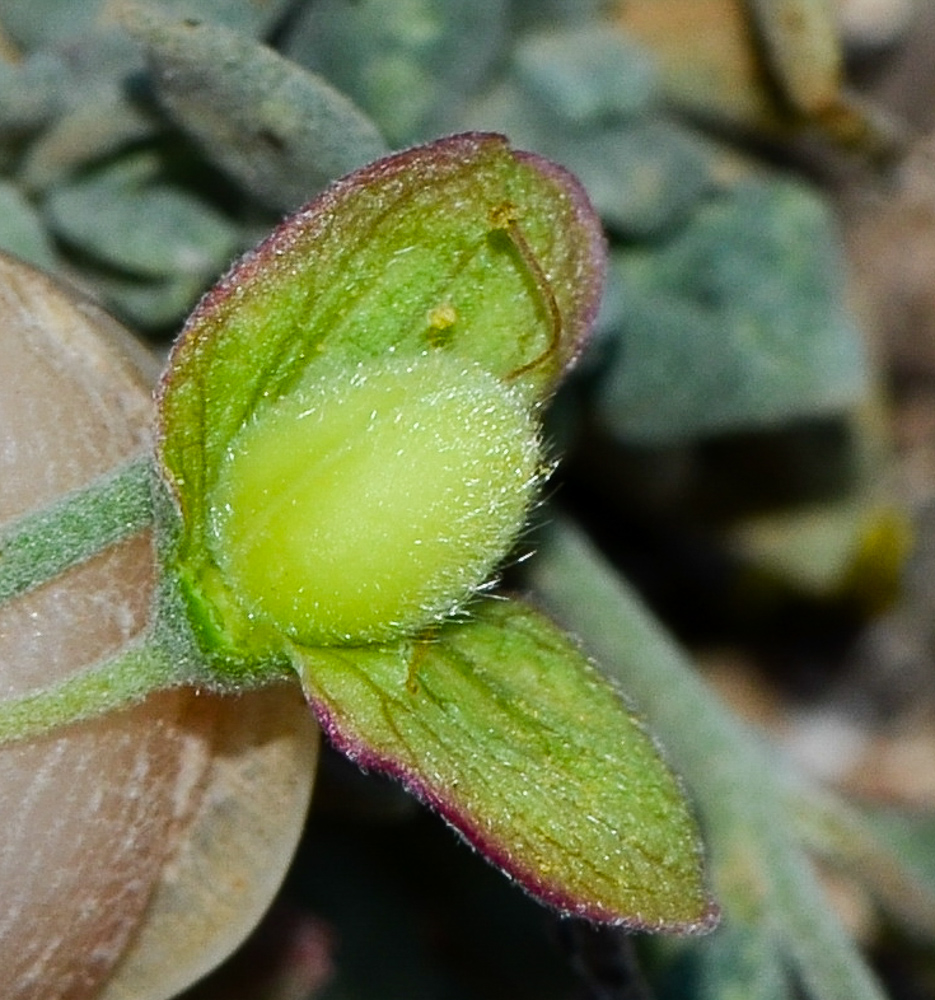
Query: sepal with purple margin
<point x="502" y="725"/>
<point x="464" y="246"/>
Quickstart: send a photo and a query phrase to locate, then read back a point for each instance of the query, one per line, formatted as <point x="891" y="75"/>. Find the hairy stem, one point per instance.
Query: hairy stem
<point x="40" y="545"/>
<point x="739" y="787"/>
<point x="117" y="682"/>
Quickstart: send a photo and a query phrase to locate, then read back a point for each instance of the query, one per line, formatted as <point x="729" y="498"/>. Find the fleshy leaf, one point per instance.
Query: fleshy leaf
<point x="501" y="724"/>
<point x="129" y="218"/>
<point x="586" y="73"/>
<point x="406" y="64"/>
<point x="21" y="231"/>
<point x="280" y="131"/>
<point x="462" y="248"/>
<point x="749" y="298"/>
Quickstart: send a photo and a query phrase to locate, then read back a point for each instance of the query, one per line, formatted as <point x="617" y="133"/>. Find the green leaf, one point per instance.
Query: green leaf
<point x="462" y="249"/>
<point x="247" y="17"/>
<point x="501" y="724"/>
<point x="127" y="216"/>
<point x="586" y="73"/>
<point x="144" y="303"/>
<point x="280" y="131"/>
<point x="408" y="63"/>
<point x="36" y="23"/>
<point x="31" y="96"/>
<point x="105" y="124"/>
<point x="83" y="92"/>
<point x="738" y="322"/>
<point x="21" y="231"/>
<point x="889" y="851"/>
<point x="741" y="961"/>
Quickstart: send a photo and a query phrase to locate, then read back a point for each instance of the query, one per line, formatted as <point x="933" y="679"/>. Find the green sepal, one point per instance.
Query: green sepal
<point x="501" y="723"/>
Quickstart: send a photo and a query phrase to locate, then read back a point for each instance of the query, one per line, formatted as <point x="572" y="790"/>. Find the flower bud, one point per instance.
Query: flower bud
<point x="363" y="505"/>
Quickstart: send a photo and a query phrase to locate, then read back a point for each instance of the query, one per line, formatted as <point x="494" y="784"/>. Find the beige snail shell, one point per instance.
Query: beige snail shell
<point x="136" y="850"/>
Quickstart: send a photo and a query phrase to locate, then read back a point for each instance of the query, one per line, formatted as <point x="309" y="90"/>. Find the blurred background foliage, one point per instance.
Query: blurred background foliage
<point x="751" y="438"/>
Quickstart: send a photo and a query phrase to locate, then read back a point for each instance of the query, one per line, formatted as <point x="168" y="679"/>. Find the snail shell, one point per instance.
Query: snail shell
<point x="137" y="849"/>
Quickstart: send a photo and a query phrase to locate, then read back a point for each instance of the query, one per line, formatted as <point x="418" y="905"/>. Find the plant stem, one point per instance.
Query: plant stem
<point x="40" y="545"/>
<point x="740" y="789"/>
<point x="118" y="682"/>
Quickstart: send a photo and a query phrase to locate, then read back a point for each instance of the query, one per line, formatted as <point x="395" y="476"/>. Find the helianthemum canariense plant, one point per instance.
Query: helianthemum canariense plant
<point x="348" y="445"/>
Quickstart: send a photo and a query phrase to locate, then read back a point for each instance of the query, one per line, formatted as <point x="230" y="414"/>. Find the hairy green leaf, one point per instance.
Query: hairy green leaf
<point x="21" y="231"/>
<point x="275" y="128"/>
<point x="408" y="64"/>
<point x="760" y="872"/>
<point x="127" y="216"/>
<point x="738" y="322"/>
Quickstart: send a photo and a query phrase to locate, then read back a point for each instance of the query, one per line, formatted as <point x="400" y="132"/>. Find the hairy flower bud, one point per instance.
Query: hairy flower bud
<point x="436" y="458"/>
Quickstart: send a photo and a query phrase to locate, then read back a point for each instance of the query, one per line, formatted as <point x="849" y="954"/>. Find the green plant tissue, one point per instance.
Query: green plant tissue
<point x="126" y="216"/>
<point x="277" y="130"/>
<point x="644" y="174"/>
<point x="147" y="304"/>
<point x="587" y="73"/>
<point x="407" y="64"/>
<point x="34" y="24"/>
<point x="83" y="91"/>
<point x="588" y="100"/>
<point x="530" y="14"/>
<point x="739" y="322"/>
<point x="247" y="17"/>
<point x="30" y="94"/>
<point x="21" y="229"/>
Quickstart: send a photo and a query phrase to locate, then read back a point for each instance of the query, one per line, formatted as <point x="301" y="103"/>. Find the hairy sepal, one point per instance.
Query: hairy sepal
<point x="463" y="247"/>
<point x="501" y="724"/>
